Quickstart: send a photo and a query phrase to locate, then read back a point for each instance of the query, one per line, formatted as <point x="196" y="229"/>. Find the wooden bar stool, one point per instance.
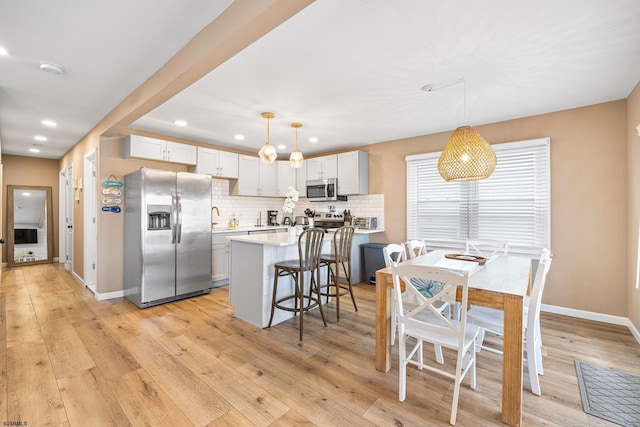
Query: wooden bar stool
<point x="309" y="248"/>
<point x="340" y="259"/>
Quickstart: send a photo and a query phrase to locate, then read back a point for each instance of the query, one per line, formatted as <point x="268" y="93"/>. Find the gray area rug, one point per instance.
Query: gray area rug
<point x="609" y="394"/>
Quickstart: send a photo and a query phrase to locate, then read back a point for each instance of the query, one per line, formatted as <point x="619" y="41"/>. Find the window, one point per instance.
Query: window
<point x="513" y="204"/>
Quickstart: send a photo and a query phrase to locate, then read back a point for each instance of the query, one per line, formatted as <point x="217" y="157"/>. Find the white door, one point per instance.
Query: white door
<point x="90" y="218"/>
<point x="68" y="218"/>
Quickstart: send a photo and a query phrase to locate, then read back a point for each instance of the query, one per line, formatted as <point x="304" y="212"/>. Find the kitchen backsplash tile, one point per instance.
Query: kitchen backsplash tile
<point x="248" y="209"/>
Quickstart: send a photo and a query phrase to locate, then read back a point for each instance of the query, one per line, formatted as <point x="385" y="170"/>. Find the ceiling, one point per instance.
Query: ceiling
<point x="349" y="71"/>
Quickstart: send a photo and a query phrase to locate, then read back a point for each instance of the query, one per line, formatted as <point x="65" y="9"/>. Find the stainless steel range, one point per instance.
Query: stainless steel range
<point x="328" y="220"/>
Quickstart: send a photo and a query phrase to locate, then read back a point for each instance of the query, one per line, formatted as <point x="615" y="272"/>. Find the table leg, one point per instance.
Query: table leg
<point x="512" y="361"/>
<point x="383" y="322"/>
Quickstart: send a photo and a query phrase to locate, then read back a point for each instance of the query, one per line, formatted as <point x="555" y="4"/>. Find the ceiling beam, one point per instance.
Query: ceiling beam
<point x="237" y="27"/>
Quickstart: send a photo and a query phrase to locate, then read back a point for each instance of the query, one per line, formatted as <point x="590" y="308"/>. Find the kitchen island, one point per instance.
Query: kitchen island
<point x="252" y="261"/>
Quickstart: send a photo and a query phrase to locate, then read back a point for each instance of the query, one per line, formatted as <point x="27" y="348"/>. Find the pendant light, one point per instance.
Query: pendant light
<point x="268" y="153"/>
<point x="296" y="159"/>
<point x="467" y="156"/>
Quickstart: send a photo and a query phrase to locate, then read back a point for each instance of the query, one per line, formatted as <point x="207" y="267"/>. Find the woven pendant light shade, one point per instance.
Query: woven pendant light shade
<point x="466" y="157"/>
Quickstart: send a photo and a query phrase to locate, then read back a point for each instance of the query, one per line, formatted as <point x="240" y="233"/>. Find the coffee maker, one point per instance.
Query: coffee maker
<point x="272" y="218"/>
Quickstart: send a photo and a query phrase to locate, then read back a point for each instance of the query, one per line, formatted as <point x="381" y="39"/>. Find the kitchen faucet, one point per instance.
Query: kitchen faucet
<point x="217" y="211"/>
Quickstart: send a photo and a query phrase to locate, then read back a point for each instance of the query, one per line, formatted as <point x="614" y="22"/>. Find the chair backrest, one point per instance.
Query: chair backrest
<point x="309" y="248"/>
<point x="342" y="240"/>
<point x="536" y="290"/>
<point x="393" y="253"/>
<point x="443" y="282"/>
<point x="487" y="248"/>
<point x="415" y="248"/>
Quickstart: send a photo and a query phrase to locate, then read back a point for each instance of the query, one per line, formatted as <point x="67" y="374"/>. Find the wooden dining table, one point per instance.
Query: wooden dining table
<point x="501" y="284"/>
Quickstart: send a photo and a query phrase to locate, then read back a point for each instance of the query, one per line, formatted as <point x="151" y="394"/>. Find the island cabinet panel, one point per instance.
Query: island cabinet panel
<point x="251" y="280"/>
<point x="253" y="258"/>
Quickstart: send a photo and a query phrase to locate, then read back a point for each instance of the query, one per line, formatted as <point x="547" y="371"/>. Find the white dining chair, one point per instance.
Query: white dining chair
<point x="415" y="248"/>
<point x="492" y="321"/>
<point x="425" y="323"/>
<point x="393" y="253"/>
<point x="396" y="253"/>
<point x="487" y="248"/>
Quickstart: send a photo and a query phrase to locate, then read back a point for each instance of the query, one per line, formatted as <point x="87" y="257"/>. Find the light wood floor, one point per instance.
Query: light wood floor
<point x="69" y="360"/>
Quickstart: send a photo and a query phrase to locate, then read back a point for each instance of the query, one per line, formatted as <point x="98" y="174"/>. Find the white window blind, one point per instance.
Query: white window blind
<point x="513" y="204"/>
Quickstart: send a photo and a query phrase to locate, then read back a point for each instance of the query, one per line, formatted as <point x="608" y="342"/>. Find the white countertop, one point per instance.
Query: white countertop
<point x="270" y="239"/>
<point x="274" y="227"/>
<point x="282" y="239"/>
<point x="221" y="229"/>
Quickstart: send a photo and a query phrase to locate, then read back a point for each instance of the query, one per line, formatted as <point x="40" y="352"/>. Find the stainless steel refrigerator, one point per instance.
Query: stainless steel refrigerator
<point x="167" y="236"/>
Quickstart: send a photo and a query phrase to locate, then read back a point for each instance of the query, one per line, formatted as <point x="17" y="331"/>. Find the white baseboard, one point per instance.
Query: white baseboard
<point x="78" y="278"/>
<point x="590" y="315"/>
<point x="109" y="295"/>
<point x="634" y="331"/>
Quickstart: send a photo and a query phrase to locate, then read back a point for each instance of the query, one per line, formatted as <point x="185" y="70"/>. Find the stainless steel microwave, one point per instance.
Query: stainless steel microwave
<point x="324" y="190"/>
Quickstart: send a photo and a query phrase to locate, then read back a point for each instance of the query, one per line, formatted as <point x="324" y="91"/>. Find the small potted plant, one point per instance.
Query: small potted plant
<point x="289" y="206"/>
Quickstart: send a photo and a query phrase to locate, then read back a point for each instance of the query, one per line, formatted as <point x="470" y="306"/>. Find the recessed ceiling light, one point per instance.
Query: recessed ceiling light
<point x="50" y="68"/>
<point x="180" y="123"/>
<point x="40" y="138"/>
<point x="35" y="148"/>
<point x="49" y="123"/>
<point x="239" y="137"/>
<point x="313" y="139"/>
<point x="3" y="51"/>
<point x="282" y="147"/>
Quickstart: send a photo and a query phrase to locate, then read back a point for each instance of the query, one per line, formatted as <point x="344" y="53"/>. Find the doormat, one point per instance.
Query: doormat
<point x="609" y="394"/>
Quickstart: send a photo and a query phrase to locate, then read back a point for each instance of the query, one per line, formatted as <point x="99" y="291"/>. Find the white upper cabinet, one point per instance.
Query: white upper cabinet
<point x="256" y="178"/>
<point x="353" y="173"/>
<point x="158" y="149"/>
<point x="286" y="177"/>
<point x="217" y="163"/>
<point x="301" y="179"/>
<point x="324" y="167"/>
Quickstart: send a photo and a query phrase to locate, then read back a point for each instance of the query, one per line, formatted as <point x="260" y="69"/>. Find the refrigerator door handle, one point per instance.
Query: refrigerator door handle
<point x="179" y="219"/>
<point x="174" y="215"/>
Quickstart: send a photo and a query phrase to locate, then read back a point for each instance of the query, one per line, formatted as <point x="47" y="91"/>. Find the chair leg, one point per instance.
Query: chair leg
<point x="273" y="298"/>
<point x="394" y="320"/>
<point x="402" y="375"/>
<point x="438" y="351"/>
<point x="315" y="285"/>
<point x="479" y="340"/>
<point x="300" y="293"/>
<point x="336" y="283"/>
<point x="454" y="403"/>
<point x="472" y="369"/>
<point x="348" y="276"/>
<point x="532" y="362"/>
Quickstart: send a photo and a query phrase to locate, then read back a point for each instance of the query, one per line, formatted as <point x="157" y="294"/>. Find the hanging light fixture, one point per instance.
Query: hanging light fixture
<point x="467" y="156"/>
<point x="268" y="153"/>
<point x="296" y="159"/>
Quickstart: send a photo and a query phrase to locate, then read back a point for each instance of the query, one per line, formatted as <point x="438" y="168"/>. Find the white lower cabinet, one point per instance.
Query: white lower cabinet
<point x="220" y="257"/>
